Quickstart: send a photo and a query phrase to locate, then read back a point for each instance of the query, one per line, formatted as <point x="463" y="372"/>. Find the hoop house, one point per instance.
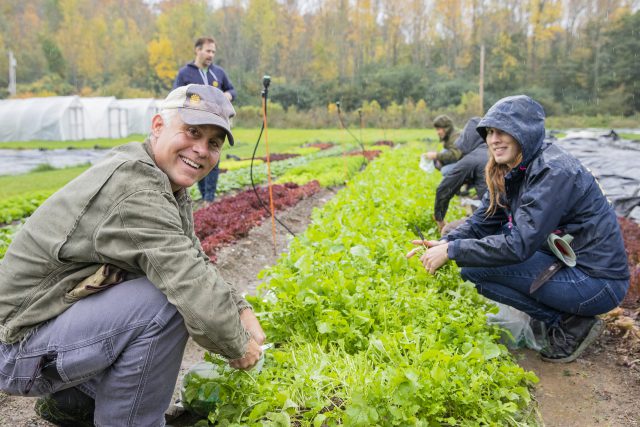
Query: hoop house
<point x="140" y="111"/>
<point x="104" y="118"/>
<point x="56" y="118"/>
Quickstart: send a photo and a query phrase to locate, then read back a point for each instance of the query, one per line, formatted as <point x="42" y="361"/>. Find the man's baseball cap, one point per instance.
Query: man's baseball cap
<point x="201" y="105"/>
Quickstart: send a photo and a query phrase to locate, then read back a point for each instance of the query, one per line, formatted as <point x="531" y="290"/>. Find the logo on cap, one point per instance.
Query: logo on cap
<point x="195" y="99"/>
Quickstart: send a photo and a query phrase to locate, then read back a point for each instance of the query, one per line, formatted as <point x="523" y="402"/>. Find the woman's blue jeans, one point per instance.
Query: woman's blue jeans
<point x="569" y="291"/>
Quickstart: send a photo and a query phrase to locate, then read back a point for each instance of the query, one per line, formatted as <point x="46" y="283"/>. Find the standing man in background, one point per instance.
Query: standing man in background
<point x="203" y="71"/>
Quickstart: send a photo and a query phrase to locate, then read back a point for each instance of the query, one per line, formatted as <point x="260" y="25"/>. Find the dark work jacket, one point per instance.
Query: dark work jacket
<point x="470" y="168"/>
<point x="550" y="190"/>
<point x="215" y="77"/>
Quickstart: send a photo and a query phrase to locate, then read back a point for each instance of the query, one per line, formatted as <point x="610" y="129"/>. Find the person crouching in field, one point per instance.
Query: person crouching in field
<point x="444" y="159"/>
<point x="105" y="282"/>
<point x="468" y="170"/>
<point x="536" y="188"/>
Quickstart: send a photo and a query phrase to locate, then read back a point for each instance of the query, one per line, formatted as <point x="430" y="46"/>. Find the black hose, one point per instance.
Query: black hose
<point x="253" y="156"/>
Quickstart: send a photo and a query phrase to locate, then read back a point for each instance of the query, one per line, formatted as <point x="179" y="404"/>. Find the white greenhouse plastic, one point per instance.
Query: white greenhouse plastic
<point x="57" y="118"/>
<point x="71" y="118"/>
<point x="140" y="111"/>
<point x="104" y="118"/>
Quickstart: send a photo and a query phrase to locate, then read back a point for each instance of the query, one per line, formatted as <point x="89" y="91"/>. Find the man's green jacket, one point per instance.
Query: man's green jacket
<point x="120" y="212"/>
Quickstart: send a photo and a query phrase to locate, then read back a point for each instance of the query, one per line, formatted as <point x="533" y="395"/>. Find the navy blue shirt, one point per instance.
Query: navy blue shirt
<point x="215" y="77"/>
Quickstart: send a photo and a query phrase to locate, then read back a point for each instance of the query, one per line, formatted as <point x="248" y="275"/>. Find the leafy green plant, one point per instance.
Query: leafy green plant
<point x="240" y="178"/>
<point x="231" y="165"/>
<point x="6" y="235"/>
<point x="303" y="151"/>
<point x="366" y="337"/>
<point x="328" y="171"/>
<point x="15" y="208"/>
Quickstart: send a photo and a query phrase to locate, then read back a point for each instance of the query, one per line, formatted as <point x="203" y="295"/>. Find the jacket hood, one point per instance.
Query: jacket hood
<point x="522" y="118"/>
<point x="194" y="66"/>
<point x="444" y="122"/>
<point x="470" y="139"/>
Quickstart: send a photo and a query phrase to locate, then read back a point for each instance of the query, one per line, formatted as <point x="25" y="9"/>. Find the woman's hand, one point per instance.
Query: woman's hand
<point x="252" y="325"/>
<point x="436" y="255"/>
<point x="423" y="244"/>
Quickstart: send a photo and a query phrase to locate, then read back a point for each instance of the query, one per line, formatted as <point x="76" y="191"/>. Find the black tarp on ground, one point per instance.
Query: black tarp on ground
<point x="616" y="164"/>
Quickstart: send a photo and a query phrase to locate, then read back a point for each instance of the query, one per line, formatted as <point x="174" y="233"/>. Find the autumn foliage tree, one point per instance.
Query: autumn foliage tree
<point x="575" y="56"/>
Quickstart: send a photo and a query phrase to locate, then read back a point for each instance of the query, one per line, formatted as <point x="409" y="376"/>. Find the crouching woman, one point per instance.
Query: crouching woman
<point x="535" y="189"/>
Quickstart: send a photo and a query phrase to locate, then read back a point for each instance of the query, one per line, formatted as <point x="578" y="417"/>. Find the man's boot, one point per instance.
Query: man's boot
<point x="571" y="337"/>
<point x="66" y="408"/>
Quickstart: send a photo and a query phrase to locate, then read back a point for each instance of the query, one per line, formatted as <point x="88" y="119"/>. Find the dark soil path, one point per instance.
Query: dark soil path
<point x="595" y="390"/>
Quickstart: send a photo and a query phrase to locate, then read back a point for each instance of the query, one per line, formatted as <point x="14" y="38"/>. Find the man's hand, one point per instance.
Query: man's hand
<point x="258" y="337"/>
<point x="431" y="155"/>
<point x="252" y="325"/>
<point x="250" y="358"/>
<point x="229" y="96"/>
<point x="435" y="256"/>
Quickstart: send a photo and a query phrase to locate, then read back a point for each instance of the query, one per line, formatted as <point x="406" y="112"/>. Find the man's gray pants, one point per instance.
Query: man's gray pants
<point x="122" y="346"/>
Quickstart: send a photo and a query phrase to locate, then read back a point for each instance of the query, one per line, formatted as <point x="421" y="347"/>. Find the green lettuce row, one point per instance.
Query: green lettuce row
<point x="328" y="171"/>
<point x="18" y="207"/>
<point x="241" y="178"/>
<point x="15" y="208"/>
<point x="6" y="235"/>
<point x="365" y="336"/>
<point x="303" y="151"/>
<point x="231" y="165"/>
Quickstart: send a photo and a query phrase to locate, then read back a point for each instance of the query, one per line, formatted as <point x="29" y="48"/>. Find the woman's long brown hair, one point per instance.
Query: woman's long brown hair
<point x="494" y="174"/>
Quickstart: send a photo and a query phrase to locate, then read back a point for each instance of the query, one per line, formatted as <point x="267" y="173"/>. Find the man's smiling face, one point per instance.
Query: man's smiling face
<point x="186" y="153"/>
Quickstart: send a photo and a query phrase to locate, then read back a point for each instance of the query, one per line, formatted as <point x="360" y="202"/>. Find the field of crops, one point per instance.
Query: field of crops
<point x="20" y="195"/>
<point x="362" y="336"/>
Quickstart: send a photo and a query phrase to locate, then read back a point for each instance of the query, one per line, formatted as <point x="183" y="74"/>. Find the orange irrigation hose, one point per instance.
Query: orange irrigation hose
<point x="266" y="144"/>
<point x="344" y="165"/>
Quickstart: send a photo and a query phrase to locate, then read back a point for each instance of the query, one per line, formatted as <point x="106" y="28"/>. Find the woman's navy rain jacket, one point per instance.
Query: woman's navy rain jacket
<point x="550" y="190"/>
